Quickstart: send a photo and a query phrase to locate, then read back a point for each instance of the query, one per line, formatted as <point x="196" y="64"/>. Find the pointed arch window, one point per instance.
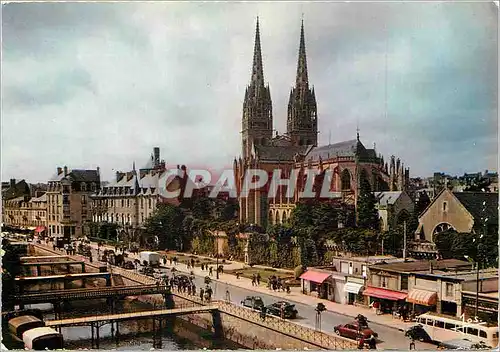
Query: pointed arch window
<point x="345" y="180"/>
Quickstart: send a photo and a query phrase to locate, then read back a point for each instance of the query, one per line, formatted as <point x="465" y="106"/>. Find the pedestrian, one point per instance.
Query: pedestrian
<point x="202" y="292"/>
<point x="372" y="343"/>
<point x="412" y="344"/>
<point x="202" y="266"/>
<point x="254" y="279"/>
<point x="210" y="271"/>
<point x="263" y="313"/>
<point x="193" y="289"/>
<point x="258" y="279"/>
<point x="189" y="290"/>
<point x="192" y="262"/>
<point x="361" y="343"/>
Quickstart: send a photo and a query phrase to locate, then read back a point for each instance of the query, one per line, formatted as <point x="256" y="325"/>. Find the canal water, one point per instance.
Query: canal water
<point x="134" y="335"/>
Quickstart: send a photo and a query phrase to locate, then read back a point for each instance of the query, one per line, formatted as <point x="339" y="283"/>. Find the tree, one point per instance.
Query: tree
<point x="422" y="203"/>
<point x="167" y="223"/>
<point x="366" y="206"/>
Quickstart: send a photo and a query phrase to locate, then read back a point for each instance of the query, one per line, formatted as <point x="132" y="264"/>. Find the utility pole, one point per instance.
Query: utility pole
<point x="404" y="240"/>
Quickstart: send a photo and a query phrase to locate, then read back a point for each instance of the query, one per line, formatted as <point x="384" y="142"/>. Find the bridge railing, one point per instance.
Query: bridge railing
<point x="284" y="326"/>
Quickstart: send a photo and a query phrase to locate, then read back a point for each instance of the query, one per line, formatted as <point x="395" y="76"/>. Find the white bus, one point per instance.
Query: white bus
<point x="443" y="328"/>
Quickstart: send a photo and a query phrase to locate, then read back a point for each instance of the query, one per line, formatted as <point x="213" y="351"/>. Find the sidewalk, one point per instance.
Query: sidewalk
<point x="295" y="295"/>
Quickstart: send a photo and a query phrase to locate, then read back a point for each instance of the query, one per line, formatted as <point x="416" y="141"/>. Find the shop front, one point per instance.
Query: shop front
<point x="384" y="300"/>
<point x="423" y="301"/>
<point x="354" y="291"/>
<point x="315" y="283"/>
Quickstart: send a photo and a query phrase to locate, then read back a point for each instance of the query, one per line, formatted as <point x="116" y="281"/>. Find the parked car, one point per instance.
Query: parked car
<point x="417" y="332"/>
<point x="289" y="311"/>
<point x="254" y="302"/>
<point x="354" y="331"/>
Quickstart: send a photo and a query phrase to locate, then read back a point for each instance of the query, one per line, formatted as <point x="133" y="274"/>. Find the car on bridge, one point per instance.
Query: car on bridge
<point x="282" y="309"/>
<point x="354" y="331"/>
<point x="253" y="302"/>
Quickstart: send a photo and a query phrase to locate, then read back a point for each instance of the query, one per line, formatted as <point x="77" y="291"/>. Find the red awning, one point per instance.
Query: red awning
<point x="384" y="294"/>
<point x="315" y="276"/>
<point x="40" y="229"/>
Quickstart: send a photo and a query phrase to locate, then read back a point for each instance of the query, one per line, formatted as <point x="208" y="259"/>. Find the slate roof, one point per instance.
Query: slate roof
<point x="349" y="148"/>
<point x="20" y="189"/>
<point x="79" y="176"/>
<point x="279" y="153"/>
<point x="385" y="198"/>
<point x="84" y="175"/>
<point x="473" y="202"/>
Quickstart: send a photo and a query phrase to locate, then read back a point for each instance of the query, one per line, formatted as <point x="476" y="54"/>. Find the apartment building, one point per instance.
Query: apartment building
<point x="68" y="201"/>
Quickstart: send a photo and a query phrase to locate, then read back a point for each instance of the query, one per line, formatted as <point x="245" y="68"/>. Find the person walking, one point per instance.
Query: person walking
<point x="372" y="343"/>
<point x="258" y="279"/>
<point x="202" y="294"/>
<point x="210" y="271"/>
<point x="254" y="279"/>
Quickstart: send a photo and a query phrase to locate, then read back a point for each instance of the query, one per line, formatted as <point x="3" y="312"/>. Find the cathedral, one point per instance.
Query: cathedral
<point x="298" y="149"/>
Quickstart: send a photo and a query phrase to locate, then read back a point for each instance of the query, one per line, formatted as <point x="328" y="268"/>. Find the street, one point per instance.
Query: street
<point x="389" y="338"/>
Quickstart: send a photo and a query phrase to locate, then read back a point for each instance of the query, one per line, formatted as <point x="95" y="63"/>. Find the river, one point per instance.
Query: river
<point x="134" y="335"/>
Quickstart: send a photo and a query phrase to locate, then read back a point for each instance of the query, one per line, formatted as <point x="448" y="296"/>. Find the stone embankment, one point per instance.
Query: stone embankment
<point x="240" y="325"/>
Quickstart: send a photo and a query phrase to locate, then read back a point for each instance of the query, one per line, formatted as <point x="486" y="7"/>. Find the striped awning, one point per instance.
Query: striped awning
<point x="422" y="297"/>
<point x="353" y="287"/>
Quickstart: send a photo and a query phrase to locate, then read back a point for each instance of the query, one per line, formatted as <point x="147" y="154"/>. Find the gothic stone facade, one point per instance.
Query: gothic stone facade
<point x="298" y="149"/>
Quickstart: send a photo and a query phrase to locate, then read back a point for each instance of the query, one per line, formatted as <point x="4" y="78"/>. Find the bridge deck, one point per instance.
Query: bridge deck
<point x="63" y="277"/>
<point x="90" y="293"/>
<point x="63" y="262"/>
<point x="129" y="316"/>
<point x="45" y="257"/>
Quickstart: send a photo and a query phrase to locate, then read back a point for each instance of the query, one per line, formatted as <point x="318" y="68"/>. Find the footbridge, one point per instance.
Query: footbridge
<point x="90" y="293"/>
<point x="108" y="318"/>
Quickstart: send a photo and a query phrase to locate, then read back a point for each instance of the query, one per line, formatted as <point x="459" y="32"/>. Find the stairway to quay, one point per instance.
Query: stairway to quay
<point x="223" y="319"/>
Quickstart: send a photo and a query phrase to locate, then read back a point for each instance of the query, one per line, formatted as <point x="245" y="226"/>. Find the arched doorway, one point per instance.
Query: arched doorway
<point x="442" y="227"/>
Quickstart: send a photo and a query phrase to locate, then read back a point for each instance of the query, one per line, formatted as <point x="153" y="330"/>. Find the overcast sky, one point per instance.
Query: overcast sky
<point x="101" y="84"/>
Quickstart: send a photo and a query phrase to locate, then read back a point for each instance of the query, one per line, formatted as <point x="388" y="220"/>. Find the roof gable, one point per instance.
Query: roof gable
<point x="475" y="202"/>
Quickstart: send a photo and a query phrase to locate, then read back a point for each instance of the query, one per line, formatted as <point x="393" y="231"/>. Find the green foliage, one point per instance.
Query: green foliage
<point x="366" y="206"/>
<point x="422" y="203"/>
<point x="258" y="249"/>
<point x="358" y="241"/>
<point x="167" y="223"/>
<point x="452" y="244"/>
<point x="299" y="270"/>
<point x="108" y="231"/>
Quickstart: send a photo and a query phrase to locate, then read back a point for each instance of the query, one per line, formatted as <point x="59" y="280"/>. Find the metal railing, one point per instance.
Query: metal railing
<point x="102" y="292"/>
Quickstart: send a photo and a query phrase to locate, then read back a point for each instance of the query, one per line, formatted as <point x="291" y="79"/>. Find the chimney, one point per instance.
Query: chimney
<point x="65" y="171"/>
<point x="156" y="153"/>
<point x="12" y="182"/>
<point x="59" y="170"/>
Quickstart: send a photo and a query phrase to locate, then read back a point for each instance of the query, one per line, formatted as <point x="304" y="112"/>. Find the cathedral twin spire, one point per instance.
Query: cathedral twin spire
<point x="257" y="123"/>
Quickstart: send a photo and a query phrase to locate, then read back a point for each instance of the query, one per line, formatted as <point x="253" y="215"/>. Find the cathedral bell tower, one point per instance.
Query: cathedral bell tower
<point x="302" y="122"/>
<point x="257" y="122"/>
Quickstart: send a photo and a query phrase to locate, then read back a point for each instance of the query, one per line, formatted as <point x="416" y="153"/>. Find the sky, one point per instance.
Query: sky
<point x="101" y="84"/>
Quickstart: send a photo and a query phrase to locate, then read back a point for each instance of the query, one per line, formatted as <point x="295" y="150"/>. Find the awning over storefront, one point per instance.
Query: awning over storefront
<point x="384" y="294"/>
<point x="315" y="276"/>
<point x="40" y="229"/>
<point x="423" y="297"/>
<point x="353" y="287"/>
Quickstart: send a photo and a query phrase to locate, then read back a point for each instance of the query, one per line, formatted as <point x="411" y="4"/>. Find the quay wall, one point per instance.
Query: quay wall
<point x="239" y="325"/>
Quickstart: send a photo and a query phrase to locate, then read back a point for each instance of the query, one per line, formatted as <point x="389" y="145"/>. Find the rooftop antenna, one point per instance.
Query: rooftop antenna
<point x="357" y="131"/>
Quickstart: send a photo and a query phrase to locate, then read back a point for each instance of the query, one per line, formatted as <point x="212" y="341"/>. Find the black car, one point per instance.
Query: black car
<point x="282" y="309"/>
<point x="417" y="332"/>
<point x="254" y="302"/>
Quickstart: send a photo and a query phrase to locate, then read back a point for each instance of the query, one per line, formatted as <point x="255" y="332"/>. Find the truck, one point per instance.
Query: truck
<point x="150" y="259"/>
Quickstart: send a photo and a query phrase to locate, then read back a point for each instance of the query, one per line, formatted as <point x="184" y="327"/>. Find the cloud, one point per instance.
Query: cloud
<point x="101" y="84"/>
